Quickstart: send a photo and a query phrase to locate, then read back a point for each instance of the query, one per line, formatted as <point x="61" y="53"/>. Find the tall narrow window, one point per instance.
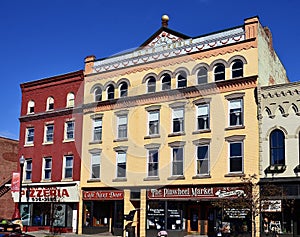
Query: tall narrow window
<point x="237" y="69"/>
<point x="110" y="92"/>
<point x="97" y="130"/>
<point x="47" y="167"/>
<point x="202" y="75"/>
<point x="30" y="108"/>
<point x="236" y="112"/>
<point x="181" y="79"/>
<point x="151" y="85"/>
<point x="69" y="130"/>
<point x="122" y="126"/>
<point x="49" y="129"/>
<point x="28" y="169"/>
<point x="95" y="165"/>
<point x="166" y="82"/>
<point x="153" y="163"/>
<point x="68" y="169"/>
<point x="203" y="116"/>
<point x="236" y="157"/>
<point x="153" y="117"/>
<point x="219" y="72"/>
<point x="50" y="103"/>
<point x="177" y="161"/>
<point x="70" y="99"/>
<point x="29" y="135"/>
<point x="277" y="147"/>
<point x="178" y="120"/>
<point x="98" y="94"/>
<point x="123" y="89"/>
<point x="121" y="164"/>
<point x="203" y="160"/>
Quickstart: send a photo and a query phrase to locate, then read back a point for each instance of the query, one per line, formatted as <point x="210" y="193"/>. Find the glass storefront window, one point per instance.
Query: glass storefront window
<point x="174" y="216"/>
<point x="155" y="215"/>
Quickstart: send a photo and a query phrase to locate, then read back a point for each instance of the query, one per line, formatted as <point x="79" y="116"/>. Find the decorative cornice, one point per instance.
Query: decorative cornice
<point x="173" y="95"/>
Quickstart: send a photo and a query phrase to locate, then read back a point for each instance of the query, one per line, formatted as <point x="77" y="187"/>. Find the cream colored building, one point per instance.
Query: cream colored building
<point x="171" y="127"/>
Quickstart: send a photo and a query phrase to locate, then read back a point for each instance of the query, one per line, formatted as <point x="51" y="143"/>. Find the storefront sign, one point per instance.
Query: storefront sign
<point x="103" y="195"/>
<point x="271" y="205"/>
<point x="236" y="213"/>
<point x="15" y="182"/>
<point x="195" y="193"/>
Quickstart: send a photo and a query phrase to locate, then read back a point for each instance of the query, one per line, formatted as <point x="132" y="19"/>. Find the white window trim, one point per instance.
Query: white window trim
<point x="70" y="100"/>
<point x="93" y="130"/>
<point x="172" y="159"/>
<point x="98" y="153"/>
<point x="43" y="171"/>
<point x="49" y="100"/>
<point x="237" y="172"/>
<point x="45" y="133"/>
<point x="208" y="114"/>
<point x="148" y="156"/>
<point x="64" y="168"/>
<point x="242" y="112"/>
<point x="158" y="122"/>
<point x="183" y="118"/>
<point x="208" y="158"/>
<point x="66" y="139"/>
<point x="29" y="143"/>
<point x="117" y="155"/>
<point x="30" y="104"/>
<point x="26" y="169"/>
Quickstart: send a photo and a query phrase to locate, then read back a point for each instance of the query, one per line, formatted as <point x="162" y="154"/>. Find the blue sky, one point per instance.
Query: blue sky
<point x="44" y="38"/>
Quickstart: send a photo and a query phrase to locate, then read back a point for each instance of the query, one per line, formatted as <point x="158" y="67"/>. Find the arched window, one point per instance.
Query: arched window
<point x="123" y="89"/>
<point x="237" y="69"/>
<point x="202" y="75"/>
<point x="219" y="72"/>
<point x="110" y="92"/>
<point x="70" y="99"/>
<point x="151" y="85"/>
<point x="30" y="107"/>
<point x="181" y="79"/>
<point x="50" y="103"/>
<point x="277" y="148"/>
<point x="98" y="94"/>
<point x="166" y="82"/>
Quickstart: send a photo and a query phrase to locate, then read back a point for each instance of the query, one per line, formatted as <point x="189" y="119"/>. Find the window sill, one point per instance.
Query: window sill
<point x="67" y="179"/>
<point x="204" y="176"/>
<point x="234" y="175"/>
<point x="95" y="142"/>
<point x="151" y="179"/>
<point x="176" y="134"/>
<point x="93" y="180"/>
<point x="235" y="127"/>
<point x="68" y="140"/>
<point x="121" y="139"/>
<point x="176" y="177"/>
<point x="29" y="145"/>
<point x="120" y="179"/>
<point x="202" y="131"/>
<point x="47" y="143"/>
<point x="27" y="181"/>
<point x="46" y="180"/>
<point x="152" y="136"/>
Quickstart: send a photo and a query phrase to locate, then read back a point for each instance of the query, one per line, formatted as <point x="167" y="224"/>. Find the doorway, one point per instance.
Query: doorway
<point x="197" y="219"/>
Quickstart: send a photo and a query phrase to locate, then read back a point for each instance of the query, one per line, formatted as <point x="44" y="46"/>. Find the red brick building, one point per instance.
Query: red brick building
<point x="8" y="164"/>
<point x="50" y="141"/>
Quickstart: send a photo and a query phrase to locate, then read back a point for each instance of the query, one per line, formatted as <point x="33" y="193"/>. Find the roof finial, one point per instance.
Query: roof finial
<point x="164" y="21"/>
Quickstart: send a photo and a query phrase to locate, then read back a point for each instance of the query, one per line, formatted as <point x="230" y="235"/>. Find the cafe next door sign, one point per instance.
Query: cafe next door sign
<point x="196" y="193"/>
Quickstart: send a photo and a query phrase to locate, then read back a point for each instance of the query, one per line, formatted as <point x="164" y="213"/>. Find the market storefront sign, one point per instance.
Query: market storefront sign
<point x="103" y="195"/>
<point x="271" y="205"/>
<point x="195" y="193"/>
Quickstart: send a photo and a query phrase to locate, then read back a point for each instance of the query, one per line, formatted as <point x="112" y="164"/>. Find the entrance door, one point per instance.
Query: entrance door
<point x="197" y="222"/>
<point x="194" y="218"/>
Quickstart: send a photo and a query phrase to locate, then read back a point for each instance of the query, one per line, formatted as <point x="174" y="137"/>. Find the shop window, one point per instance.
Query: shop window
<point x="237" y="69"/>
<point x="110" y="92"/>
<point x="203" y="116"/>
<point x="152" y="163"/>
<point x="47" y="168"/>
<point x="202" y="75"/>
<point x="174" y="216"/>
<point x="30" y="108"/>
<point x="181" y="79"/>
<point x="166" y="82"/>
<point x="219" y="72"/>
<point x="28" y="169"/>
<point x="151" y="85"/>
<point x="156" y="215"/>
<point x="123" y="89"/>
<point x="153" y="118"/>
<point x="277" y="148"/>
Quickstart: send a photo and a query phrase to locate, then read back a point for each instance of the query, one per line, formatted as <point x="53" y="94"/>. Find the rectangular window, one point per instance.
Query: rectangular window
<point x="68" y="167"/>
<point x="203" y="160"/>
<point x="177" y="162"/>
<point x="97" y="134"/>
<point x="49" y="129"/>
<point x="29" y="135"/>
<point x="69" y="128"/>
<point x="95" y="164"/>
<point x="178" y="120"/>
<point x="203" y="116"/>
<point x="153" y="163"/>
<point x="47" y="167"/>
<point x="121" y="164"/>
<point x="235" y="112"/>
<point x="235" y="157"/>
<point x="153" y="117"/>
<point x="122" y="126"/>
<point x="28" y="169"/>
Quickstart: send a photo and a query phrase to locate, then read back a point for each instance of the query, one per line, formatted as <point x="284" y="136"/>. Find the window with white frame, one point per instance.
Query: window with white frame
<point x="236" y="112"/>
<point x="28" y="170"/>
<point x="123" y="89"/>
<point x="30" y="108"/>
<point x="121" y="164"/>
<point x="181" y="79"/>
<point x="69" y="130"/>
<point x="151" y="85"/>
<point x="68" y="166"/>
<point x="47" y="168"/>
<point x="70" y="99"/>
<point x="97" y="129"/>
<point x="203" y="159"/>
<point x="236" y="157"/>
<point x="153" y="118"/>
<point x="95" y="164"/>
<point x="177" y="161"/>
<point x="122" y="126"/>
<point x="203" y="116"/>
<point x="110" y="92"/>
<point x="50" y="103"/>
<point x="219" y="72"/>
<point x="237" y="69"/>
<point x="49" y="130"/>
<point x="29" y="135"/>
<point x="178" y="120"/>
<point x="202" y="75"/>
<point x="166" y="82"/>
<point x="98" y="94"/>
<point x="153" y="163"/>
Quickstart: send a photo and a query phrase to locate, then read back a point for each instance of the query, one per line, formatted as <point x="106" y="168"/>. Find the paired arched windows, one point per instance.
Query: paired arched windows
<point x="151" y="84"/>
<point x="123" y="89"/>
<point x="110" y="92"/>
<point x="181" y="79"/>
<point x="219" y="72"/>
<point x="30" y="107"/>
<point x="277" y="148"/>
<point x="70" y="99"/>
<point x="202" y="75"/>
<point x="237" y="68"/>
<point x="166" y="82"/>
<point x="50" y="103"/>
